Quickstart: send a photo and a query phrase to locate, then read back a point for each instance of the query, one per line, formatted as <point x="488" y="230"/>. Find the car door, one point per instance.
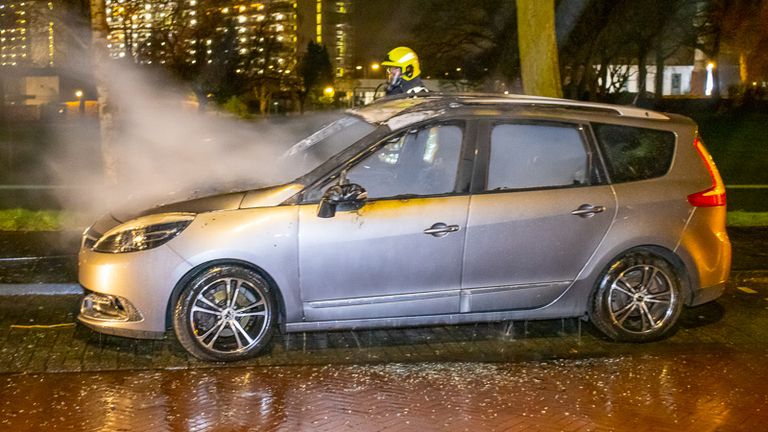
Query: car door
<point x="401" y="253"/>
<point x="538" y="213"/>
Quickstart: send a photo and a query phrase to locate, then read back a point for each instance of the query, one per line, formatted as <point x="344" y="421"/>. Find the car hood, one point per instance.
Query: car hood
<point x="200" y="202"/>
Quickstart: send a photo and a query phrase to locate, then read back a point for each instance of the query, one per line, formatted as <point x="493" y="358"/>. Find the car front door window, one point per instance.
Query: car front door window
<point x="418" y="163"/>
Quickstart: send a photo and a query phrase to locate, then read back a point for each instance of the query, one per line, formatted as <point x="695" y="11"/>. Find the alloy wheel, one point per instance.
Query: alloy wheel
<point x="641" y="299"/>
<point x="230" y="315"/>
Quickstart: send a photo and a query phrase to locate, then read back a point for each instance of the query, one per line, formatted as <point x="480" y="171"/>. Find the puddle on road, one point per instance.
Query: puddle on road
<point x="722" y="391"/>
<point x="746" y="290"/>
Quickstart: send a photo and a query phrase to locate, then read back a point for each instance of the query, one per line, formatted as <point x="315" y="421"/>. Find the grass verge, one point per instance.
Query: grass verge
<point x="20" y="219"/>
<point x="747" y="219"/>
<point x="738" y="145"/>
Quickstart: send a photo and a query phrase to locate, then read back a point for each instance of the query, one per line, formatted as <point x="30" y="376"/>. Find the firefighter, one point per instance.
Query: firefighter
<point x="403" y="72"/>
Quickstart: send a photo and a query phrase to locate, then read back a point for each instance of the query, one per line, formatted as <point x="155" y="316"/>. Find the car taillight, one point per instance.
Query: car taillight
<point x="715" y="195"/>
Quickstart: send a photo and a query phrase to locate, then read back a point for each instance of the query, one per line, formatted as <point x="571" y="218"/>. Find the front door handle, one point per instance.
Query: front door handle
<point x="440" y="229"/>
<point x="587" y="210"/>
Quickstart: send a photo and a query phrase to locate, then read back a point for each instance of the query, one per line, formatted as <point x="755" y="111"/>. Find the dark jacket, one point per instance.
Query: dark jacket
<point x="413" y="86"/>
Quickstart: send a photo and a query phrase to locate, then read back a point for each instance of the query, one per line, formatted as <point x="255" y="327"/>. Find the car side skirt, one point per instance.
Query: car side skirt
<point x="428" y="320"/>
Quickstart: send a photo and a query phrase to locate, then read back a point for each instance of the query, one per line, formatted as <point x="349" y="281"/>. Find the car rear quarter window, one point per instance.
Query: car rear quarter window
<point x="633" y="153"/>
<point x="528" y="156"/>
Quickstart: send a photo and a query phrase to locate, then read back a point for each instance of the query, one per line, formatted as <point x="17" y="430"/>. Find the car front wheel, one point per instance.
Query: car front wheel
<point x="226" y="313"/>
<point x="638" y="298"/>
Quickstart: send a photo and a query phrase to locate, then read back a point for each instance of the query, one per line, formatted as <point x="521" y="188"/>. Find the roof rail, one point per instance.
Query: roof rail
<point x="491" y="98"/>
<point x="622" y="110"/>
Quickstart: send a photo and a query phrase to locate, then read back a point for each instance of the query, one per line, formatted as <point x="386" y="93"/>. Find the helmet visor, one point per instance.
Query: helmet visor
<point x="393" y="75"/>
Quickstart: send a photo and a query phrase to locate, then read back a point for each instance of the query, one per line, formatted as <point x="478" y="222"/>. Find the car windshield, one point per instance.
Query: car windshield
<point x="311" y="152"/>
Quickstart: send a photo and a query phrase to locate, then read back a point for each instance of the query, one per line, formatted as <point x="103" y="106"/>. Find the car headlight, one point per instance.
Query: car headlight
<point x="146" y="232"/>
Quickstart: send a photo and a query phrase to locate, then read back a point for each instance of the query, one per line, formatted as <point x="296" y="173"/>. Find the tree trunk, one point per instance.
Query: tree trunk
<point x="264" y="96"/>
<point x="107" y="111"/>
<point x="659" y="82"/>
<point x="743" y="69"/>
<point x="538" y="48"/>
<point x="642" y="71"/>
<point x="716" y="93"/>
<point x="202" y="100"/>
<point x="2" y="99"/>
<point x="302" y="100"/>
<point x="603" y="77"/>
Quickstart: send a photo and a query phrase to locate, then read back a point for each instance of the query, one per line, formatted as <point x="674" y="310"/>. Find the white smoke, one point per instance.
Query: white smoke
<point x="165" y="148"/>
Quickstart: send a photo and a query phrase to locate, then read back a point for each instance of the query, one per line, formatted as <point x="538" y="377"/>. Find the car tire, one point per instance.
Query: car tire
<point x="225" y="313"/>
<point x="638" y="298"/>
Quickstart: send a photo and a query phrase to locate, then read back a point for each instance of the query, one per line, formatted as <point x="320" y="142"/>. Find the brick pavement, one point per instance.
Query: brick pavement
<point x="548" y="375"/>
<point x="739" y="320"/>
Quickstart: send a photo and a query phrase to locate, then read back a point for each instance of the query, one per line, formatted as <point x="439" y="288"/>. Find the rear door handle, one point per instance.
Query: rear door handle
<point x="440" y="229"/>
<point x="587" y="210"/>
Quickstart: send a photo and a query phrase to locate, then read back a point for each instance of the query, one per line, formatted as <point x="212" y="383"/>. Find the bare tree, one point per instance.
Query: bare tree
<point x="589" y="50"/>
<point x="219" y="55"/>
<point x="674" y="24"/>
<point x="470" y="35"/>
<point x="315" y="71"/>
<point x="266" y="65"/>
<point x="194" y="44"/>
<point x="107" y="109"/>
<point x="623" y="32"/>
<point x="733" y="26"/>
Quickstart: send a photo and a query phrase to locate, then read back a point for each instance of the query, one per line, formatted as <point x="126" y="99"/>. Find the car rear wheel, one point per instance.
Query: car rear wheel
<point x="226" y="313"/>
<point x="638" y="298"/>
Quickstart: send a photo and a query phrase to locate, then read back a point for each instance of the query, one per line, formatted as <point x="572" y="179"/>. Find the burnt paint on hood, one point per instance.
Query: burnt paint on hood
<point x="225" y="201"/>
<point x="195" y="203"/>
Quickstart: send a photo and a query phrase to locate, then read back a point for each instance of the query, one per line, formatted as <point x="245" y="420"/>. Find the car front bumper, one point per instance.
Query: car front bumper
<point x="129" y="291"/>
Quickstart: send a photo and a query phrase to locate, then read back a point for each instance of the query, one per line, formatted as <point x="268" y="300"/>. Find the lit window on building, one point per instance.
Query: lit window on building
<point x="27" y="41"/>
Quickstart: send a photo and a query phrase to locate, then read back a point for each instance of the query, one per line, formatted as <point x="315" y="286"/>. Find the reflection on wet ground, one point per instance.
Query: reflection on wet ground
<point x="548" y="375"/>
<point x="659" y="393"/>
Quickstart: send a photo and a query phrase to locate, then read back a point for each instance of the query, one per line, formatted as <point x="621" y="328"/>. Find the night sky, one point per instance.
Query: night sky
<point x="381" y="25"/>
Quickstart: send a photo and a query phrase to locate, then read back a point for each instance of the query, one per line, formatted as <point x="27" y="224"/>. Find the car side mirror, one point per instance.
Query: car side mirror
<point x="347" y="196"/>
<point x="326" y="209"/>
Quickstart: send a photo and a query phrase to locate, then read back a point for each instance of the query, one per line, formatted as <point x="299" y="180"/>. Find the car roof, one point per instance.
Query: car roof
<point x="406" y="108"/>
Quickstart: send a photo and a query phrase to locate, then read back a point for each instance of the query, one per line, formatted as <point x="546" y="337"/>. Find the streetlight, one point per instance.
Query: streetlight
<point x="81" y="102"/>
<point x="329" y="91"/>
<point x="710" y="84"/>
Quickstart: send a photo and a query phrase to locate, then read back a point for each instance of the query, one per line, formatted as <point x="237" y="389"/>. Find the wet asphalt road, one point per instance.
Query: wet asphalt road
<point x="706" y="392"/>
<point x="711" y="375"/>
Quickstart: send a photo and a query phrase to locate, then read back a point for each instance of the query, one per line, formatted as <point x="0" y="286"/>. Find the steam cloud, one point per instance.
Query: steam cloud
<point x="167" y="149"/>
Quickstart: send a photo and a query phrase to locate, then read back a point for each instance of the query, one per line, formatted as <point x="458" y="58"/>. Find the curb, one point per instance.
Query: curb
<point x="40" y="289"/>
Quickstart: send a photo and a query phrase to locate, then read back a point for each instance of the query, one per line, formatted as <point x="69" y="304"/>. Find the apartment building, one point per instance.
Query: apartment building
<point x="328" y="22"/>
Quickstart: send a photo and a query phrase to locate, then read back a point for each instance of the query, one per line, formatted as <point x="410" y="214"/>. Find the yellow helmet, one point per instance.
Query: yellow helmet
<point x="406" y="59"/>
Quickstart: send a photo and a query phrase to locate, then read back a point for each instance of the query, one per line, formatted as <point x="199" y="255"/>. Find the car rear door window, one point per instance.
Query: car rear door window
<point x="633" y="153"/>
<point x="527" y="156"/>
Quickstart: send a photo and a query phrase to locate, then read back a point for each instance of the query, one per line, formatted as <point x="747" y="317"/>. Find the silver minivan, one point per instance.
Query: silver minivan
<point x="432" y="210"/>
